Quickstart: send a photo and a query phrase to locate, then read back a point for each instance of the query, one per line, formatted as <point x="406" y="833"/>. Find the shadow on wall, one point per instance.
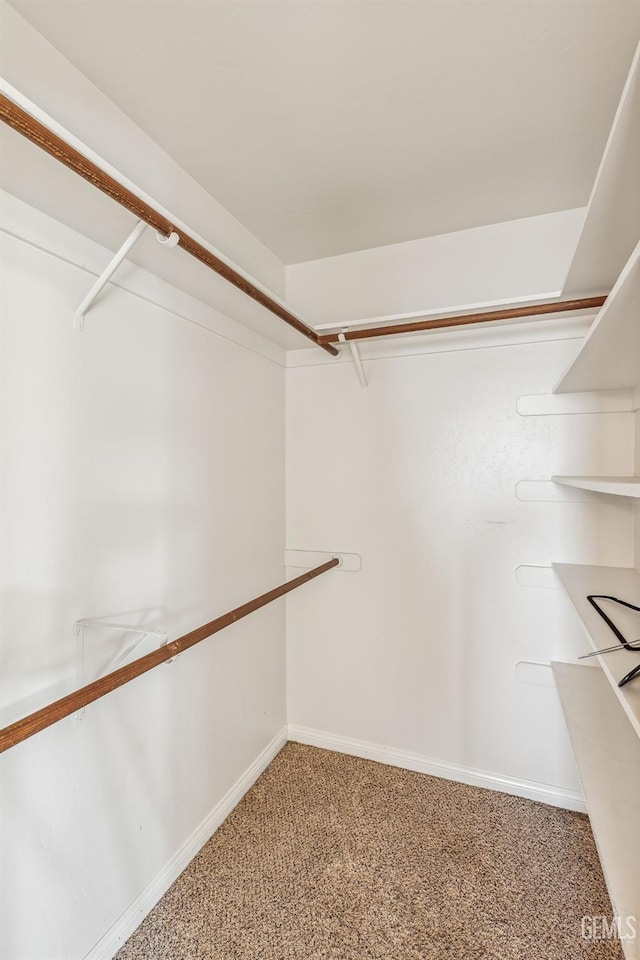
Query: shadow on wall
<point x="419" y="653"/>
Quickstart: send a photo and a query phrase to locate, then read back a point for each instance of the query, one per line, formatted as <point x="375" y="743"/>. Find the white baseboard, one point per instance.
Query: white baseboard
<point x="110" y="943"/>
<point x="125" y="925"/>
<point x="541" y="792"/>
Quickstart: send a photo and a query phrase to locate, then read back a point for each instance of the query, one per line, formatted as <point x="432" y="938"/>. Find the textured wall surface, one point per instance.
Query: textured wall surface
<point x="418" y="474"/>
<point x="143" y="481"/>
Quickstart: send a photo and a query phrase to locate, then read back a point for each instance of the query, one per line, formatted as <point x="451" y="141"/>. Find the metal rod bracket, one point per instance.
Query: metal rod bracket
<point x="140" y="633"/>
<point x="355" y="356"/>
<point x="107" y="273"/>
<point x="171" y="241"/>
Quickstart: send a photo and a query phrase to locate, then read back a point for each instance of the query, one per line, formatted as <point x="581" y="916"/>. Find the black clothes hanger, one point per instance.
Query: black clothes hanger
<point x="609" y="622"/>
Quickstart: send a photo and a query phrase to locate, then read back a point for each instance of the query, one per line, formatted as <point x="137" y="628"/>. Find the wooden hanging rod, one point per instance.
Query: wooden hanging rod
<point x="510" y="313"/>
<point x="55" y="146"/>
<point x="41" y="719"/>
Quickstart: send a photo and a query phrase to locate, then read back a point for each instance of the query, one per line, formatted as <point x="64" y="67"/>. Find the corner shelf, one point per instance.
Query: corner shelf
<point x="616" y="486"/>
<point x="608" y="758"/>
<point x="580" y="581"/>
<point x="612" y="223"/>
<point x="604" y="720"/>
<point x="604" y="726"/>
<point x="609" y="358"/>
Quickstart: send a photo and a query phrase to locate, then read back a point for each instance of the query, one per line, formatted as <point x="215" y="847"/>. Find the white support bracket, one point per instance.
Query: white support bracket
<point x="139" y="632"/>
<point x="107" y="273"/>
<point x="112" y="266"/>
<point x="356" y="358"/>
<point x="307" y="559"/>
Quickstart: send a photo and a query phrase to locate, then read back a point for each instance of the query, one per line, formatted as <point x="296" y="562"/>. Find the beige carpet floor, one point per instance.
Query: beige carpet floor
<point x="329" y="857"/>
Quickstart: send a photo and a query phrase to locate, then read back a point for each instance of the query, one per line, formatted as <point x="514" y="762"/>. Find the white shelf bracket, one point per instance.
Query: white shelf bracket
<point x="112" y="266"/>
<point x="170" y="241"/>
<point x="356" y="358"/>
<point x="107" y="273"/>
<point x="307" y="559"/>
<point x="139" y="633"/>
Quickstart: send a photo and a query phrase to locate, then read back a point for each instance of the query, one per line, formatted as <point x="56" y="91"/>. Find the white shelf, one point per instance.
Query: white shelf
<point x="617" y="486"/>
<point x="623" y="582"/>
<point x="608" y="757"/>
<point x="612" y="223"/>
<point x="609" y="358"/>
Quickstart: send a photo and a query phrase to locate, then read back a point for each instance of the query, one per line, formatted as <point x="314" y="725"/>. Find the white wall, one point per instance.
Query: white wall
<point x="418" y="473"/>
<point x="39" y="71"/>
<point x="520" y="259"/>
<point x="143" y="470"/>
<point x="636" y="508"/>
<point x="60" y="96"/>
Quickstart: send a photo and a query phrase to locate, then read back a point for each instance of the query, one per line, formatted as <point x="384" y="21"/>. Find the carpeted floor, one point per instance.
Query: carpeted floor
<point x="333" y="858"/>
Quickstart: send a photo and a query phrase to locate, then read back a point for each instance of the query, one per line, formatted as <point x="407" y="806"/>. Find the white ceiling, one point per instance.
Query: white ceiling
<point x="333" y="125"/>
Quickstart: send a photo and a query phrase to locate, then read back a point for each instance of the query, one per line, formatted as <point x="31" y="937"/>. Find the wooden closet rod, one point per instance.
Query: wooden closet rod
<point x="510" y="313"/>
<point x="55" y="146"/>
<point x="41" y="719"/>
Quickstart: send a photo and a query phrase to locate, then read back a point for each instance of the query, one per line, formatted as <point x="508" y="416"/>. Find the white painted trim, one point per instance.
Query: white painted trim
<point x="121" y="930"/>
<point x="501" y="333"/>
<point x="569" y="404"/>
<point x="538" y="576"/>
<point x="612" y="486"/>
<point x="31" y="226"/>
<point x="127" y="923"/>
<point x="530" y="790"/>
<point x="439" y="311"/>
<point x="554" y="491"/>
<point x="307" y="559"/>
<point x="537" y="673"/>
<point x="607" y="194"/>
<point x="15" y="95"/>
<point x="614" y="333"/>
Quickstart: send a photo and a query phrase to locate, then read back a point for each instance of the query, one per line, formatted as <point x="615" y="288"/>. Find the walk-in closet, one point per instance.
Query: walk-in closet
<point x="320" y="480"/>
